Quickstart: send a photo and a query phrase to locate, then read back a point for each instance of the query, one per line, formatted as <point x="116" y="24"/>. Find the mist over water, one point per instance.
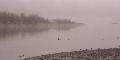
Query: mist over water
<point x="13" y="32"/>
<point x="35" y="42"/>
<point x="101" y="29"/>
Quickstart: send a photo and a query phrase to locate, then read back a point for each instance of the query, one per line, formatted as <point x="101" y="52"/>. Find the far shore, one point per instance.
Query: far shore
<point x="39" y="26"/>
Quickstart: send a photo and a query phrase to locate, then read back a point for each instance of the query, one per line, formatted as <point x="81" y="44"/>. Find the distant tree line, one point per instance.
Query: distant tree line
<point x="63" y="21"/>
<point x="7" y="18"/>
<point x="12" y="18"/>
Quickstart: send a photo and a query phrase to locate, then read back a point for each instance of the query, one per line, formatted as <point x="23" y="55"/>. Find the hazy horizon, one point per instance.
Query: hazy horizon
<point x="64" y="8"/>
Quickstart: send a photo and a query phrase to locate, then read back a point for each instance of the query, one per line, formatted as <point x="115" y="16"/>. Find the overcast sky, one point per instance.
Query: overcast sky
<point x="73" y="8"/>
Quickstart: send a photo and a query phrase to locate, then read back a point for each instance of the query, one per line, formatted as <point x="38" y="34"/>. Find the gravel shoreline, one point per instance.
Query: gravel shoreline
<point x="87" y="54"/>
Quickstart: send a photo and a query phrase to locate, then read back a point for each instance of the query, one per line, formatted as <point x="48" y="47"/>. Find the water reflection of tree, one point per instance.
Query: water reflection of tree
<point x="13" y="32"/>
<point x="67" y="27"/>
<point x="4" y="33"/>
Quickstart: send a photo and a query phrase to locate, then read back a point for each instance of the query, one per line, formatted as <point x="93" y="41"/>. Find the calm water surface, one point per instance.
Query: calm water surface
<point x="97" y="34"/>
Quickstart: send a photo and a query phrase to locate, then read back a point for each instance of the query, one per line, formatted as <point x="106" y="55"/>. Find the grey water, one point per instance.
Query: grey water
<point x="101" y="29"/>
<point x="99" y="33"/>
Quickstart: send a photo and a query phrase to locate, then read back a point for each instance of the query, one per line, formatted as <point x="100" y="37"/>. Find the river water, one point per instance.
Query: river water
<point x="96" y="33"/>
